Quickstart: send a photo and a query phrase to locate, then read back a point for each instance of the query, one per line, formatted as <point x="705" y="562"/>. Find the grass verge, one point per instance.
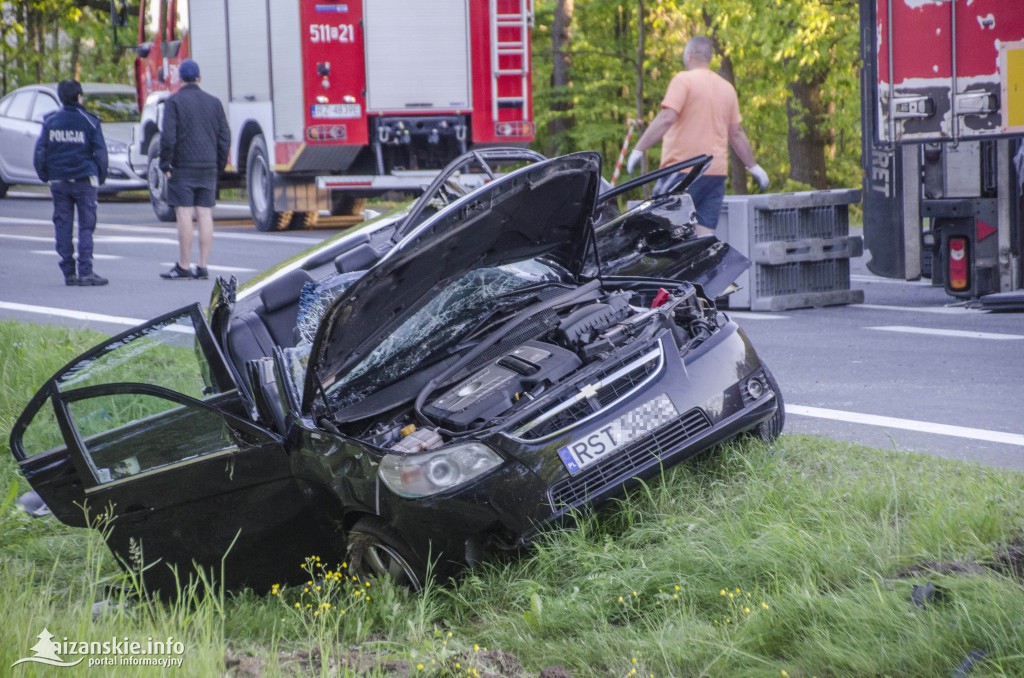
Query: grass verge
<point x="795" y="560"/>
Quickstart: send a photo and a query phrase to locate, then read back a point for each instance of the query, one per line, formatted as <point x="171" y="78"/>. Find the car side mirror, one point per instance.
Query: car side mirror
<point x="143" y="50"/>
<point x="266" y="393"/>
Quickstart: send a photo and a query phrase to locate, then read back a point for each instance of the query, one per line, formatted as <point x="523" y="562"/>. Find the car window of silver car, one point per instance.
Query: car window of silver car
<point x="44" y="104"/>
<point x="112" y="106"/>
<point x="20" y="105"/>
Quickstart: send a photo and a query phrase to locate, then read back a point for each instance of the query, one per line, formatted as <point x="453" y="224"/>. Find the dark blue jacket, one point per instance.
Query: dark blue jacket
<point x="194" y="132"/>
<point x="71" y="146"/>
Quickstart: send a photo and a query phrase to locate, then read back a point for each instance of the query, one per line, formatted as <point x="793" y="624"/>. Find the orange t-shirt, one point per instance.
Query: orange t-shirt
<point x="707" y="106"/>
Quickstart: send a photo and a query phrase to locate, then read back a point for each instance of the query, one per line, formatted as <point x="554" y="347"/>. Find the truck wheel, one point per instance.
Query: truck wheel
<point x="156" y="180"/>
<point x="771" y="428"/>
<point x="345" y="205"/>
<point x="375" y="550"/>
<point x="259" y="184"/>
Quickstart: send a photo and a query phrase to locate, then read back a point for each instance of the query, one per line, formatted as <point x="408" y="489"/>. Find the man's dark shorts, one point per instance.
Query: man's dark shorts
<point x="190" y="187"/>
<point x="707" y="192"/>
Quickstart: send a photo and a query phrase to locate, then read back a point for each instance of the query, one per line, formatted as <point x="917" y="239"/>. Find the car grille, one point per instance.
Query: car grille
<point x="656" y="445"/>
<point x="616" y="382"/>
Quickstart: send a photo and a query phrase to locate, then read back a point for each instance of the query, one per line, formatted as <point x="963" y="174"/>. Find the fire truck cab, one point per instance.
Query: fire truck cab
<point x="943" y="122"/>
<point x="329" y="102"/>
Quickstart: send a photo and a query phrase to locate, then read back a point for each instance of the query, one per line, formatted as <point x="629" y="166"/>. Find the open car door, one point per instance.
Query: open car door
<point x="656" y="238"/>
<point x="150" y="428"/>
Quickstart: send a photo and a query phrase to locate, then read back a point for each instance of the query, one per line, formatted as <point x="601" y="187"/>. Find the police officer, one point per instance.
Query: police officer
<point x="72" y="155"/>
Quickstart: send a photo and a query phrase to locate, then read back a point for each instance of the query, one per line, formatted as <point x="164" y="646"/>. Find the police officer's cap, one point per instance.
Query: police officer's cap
<point x="68" y="91"/>
<point x="189" y="70"/>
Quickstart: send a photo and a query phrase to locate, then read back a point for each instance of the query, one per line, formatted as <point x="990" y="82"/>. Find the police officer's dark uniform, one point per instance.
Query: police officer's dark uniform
<point x="72" y="155"/>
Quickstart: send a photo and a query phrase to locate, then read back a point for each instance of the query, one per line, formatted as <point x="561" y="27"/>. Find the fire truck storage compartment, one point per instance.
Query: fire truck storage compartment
<point x="800" y="247"/>
<point x="427" y="69"/>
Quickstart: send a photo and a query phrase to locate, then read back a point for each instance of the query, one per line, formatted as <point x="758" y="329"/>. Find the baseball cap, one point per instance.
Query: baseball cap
<point x="188" y="70"/>
<point x="68" y="91"/>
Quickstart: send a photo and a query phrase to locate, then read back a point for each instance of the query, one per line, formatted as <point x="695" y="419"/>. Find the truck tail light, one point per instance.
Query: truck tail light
<point x="514" y="128"/>
<point x="959" y="264"/>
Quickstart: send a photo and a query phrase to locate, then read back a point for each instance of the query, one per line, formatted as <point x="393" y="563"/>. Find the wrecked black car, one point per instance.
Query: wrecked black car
<point x="443" y="384"/>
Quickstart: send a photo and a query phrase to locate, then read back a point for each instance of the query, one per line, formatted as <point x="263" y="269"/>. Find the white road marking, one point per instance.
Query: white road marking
<point x="855" y="277"/>
<point x="164" y="230"/>
<point x="83" y="315"/>
<point x="962" y="334"/>
<point x="908" y="424"/>
<point x="745" y="315"/>
<point x="942" y="310"/>
<point x="105" y="239"/>
<point x="224" y="269"/>
<point x="94" y="256"/>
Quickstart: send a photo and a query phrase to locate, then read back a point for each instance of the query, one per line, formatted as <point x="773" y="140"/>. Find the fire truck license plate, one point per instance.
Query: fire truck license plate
<point x="336" y="111"/>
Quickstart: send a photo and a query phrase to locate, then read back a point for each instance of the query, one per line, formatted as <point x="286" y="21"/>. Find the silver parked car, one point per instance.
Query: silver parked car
<point x="21" y="121"/>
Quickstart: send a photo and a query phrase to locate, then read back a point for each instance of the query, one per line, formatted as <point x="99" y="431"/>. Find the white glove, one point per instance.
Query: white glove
<point x="634" y="158"/>
<point x="760" y="176"/>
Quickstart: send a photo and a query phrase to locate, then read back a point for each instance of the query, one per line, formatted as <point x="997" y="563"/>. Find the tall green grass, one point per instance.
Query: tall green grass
<point x="797" y="559"/>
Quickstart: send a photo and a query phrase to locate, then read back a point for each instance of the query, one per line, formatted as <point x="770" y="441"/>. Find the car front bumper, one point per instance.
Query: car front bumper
<point x="532" y="490"/>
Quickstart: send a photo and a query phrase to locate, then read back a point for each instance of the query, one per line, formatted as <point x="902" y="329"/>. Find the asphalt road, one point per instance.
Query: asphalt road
<point x="906" y="370"/>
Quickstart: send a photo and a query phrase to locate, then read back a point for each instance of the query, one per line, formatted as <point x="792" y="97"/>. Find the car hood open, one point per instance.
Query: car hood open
<point x="541" y="209"/>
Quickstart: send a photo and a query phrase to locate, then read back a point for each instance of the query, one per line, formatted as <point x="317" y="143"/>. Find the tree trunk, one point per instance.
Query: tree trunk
<point x="561" y="65"/>
<point x="737" y="172"/>
<point x="809" y="134"/>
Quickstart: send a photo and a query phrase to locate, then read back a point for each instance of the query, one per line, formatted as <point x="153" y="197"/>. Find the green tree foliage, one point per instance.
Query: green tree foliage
<point x="51" y="40"/>
<point x="795" y="65"/>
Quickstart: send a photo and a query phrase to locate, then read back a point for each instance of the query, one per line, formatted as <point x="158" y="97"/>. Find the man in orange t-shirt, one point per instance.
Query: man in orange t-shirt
<point x="700" y="113"/>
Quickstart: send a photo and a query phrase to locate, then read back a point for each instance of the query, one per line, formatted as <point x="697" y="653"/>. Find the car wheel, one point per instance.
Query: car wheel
<point x="156" y="180"/>
<point x="259" y="184"/>
<point x="771" y="428"/>
<point x="375" y="550"/>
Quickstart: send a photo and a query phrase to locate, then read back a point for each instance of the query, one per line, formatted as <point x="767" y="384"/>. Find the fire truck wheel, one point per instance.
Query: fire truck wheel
<point x="156" y="180"/>
<point x="259" y="183"/>
<point x="345" y="205"/>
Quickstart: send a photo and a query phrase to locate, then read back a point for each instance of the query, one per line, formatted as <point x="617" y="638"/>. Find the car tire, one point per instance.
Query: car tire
<point x="771" y="428"/>
<point x="259" y="185"/>
<point x="155" y="180"/>
<point x="374" y="550"/>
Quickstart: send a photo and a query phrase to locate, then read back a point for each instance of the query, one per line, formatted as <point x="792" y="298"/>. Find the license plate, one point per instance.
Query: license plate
<point x="336" y="111"/>
<point x="602" y="443"/>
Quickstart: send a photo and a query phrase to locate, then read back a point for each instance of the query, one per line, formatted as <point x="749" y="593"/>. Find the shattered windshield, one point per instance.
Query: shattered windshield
<point x="463" y="305"/>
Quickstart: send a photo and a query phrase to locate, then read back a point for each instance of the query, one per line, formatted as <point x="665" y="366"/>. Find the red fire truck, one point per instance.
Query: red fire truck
<point x="943" y="122"/>
<point x="331" y="101"/>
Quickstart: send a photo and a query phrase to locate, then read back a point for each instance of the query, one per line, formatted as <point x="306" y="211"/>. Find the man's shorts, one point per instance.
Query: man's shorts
<point x="190" y="187"/>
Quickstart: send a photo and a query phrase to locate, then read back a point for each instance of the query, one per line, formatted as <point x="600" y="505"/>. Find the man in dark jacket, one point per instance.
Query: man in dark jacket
<point x="194" y="139"/>
<point x="72" y="155"/>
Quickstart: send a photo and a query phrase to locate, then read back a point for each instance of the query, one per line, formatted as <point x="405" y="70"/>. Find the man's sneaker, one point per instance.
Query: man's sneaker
<point x="177" y="273"/>
<point x="92" y="280"/>
<point x="201" y="273"/>
<point x="71" y="280"/>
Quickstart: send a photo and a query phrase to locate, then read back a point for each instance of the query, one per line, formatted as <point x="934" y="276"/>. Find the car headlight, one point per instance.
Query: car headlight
<point x="116" y="147"/>
<point x="421" y="475"/>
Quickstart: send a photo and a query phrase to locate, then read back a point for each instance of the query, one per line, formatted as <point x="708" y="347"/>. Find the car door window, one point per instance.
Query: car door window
<point x="132" y="433"/>
<point x="20" y="105"/>
<point x="44" y="104"/>
<point x="167" y="353"/>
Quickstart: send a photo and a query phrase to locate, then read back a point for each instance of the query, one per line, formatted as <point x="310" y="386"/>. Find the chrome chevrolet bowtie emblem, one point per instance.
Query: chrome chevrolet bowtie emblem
<point x="588" y="391"/>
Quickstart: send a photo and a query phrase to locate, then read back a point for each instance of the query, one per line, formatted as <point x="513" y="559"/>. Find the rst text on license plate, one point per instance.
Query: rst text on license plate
<point x="601" y="443"/>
